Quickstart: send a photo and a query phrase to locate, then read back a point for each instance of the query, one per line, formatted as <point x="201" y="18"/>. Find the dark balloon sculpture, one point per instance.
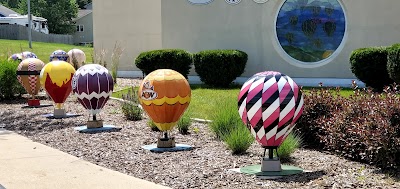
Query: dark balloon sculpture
<point x="92" y="84"/>
<point x="28" y="54"/>
<point x="270" y="103"/>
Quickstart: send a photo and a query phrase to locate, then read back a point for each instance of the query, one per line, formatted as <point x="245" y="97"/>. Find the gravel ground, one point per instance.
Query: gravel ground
<point x="206" y="166"/>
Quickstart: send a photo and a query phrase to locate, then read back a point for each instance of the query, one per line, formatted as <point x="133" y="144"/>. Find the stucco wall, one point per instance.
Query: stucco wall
<point x="146" y="25"/>
<point x="135" y="24"/>
<point x="250" y="27"/>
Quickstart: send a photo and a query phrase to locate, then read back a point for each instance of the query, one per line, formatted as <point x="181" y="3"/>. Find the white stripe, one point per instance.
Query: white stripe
<point x="256" y="84"/>
<point x="299" y="106"/>
<point x="261" y="133"/>
<point x="272" y="132"/>
<point x="287" y="109"/>
<point x="282" y="132"/>
<point x="291" y="82"/>
<point x="242" y="108"/>
<point x="281" y="83"/>
<point x="248" y="83"/>
<point x="271" y="109"/>
<point x="290" y="130"/>
<point x="269" y="83"/>
<point x="253" y="110"/>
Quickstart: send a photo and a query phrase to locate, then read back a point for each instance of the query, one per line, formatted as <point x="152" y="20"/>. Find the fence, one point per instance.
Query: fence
<point x="18" y="32"/>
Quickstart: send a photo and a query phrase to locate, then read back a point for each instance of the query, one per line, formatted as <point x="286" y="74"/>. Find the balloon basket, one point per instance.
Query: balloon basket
<point x="60" y="113"/>
<point x="33" y="102"/>
<point x="166" y="143"/>
<point x="94" y="124"/>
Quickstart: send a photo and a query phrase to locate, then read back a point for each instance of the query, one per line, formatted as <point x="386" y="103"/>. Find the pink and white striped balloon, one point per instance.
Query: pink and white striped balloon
<point x="270" y="103"/>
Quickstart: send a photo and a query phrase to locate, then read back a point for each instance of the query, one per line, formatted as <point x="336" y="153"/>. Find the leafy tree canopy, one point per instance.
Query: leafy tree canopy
<point x="59" y="13"/>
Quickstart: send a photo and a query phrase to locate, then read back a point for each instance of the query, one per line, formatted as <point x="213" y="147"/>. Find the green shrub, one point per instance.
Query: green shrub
<point x="130" y="106"/>
<point x="393" y="62"/>
<point x="225" y="118"/>
<point x="239" y="139"/>
<point x="175" y="59"/>
<point x="184" y="123"/>
<point x="368" y="64"/>
<point x="9" y="85"/>
<point x="219" y="68"/>
<point x="152" y="126"/>
<point x="292" y="142"/>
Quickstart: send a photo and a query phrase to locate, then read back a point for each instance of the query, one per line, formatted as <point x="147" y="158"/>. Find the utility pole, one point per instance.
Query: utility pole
<point x="29" y="24"/>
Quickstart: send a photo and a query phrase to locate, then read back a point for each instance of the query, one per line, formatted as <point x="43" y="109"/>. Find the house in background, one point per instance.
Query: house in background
<point x="5" y="12"/>
<point x="84" y="26"/>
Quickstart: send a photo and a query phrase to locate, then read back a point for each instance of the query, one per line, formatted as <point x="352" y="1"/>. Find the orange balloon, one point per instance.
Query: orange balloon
<point x="164" y="94"/>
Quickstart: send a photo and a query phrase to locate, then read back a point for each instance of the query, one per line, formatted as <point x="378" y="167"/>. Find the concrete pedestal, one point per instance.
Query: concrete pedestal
<point x="59" y="113"/>
<point x="94" y="124"/>
<point x="166" y="143"/>
<point x="271" y="165"/>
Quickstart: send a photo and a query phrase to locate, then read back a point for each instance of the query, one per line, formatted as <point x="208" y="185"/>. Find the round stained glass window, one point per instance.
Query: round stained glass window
<point x="310" y="31"/>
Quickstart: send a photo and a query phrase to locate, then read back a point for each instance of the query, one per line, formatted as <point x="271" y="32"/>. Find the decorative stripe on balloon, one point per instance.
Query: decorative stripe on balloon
<point x="170" y="101"/>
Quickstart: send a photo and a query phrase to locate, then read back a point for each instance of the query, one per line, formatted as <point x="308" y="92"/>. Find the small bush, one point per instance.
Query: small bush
<point x="218" y="68"/>
<point x="239" y="139"/>
<point x="369" y="63"/>
<point x="9" y="85"/>
<point x="292" y="142"/>
<point x="393" y="62"/>
<point x="225" y="118"/>
<point x="175" y="59"/>
<point x="130" y="106"/>
<point x="152" y="126"/>
<point x="184" y="123"/>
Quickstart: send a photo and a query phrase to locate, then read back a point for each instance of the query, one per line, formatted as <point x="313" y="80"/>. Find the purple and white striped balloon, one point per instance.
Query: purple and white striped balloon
<point x="93" y="85"/>
<point x="271" y="103"/>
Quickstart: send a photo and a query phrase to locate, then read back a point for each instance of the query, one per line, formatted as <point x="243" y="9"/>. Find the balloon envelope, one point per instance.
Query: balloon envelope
<point x="76" y="55"/>
<point x="16" y="57"/>
<point x="56" y="78"/>
<point x="92" y="84"/>
<point x="271" y="103"/>
<point x="164" y="94"/>
<point x="28" y="75"/>
<point x="59" y="55"/>
<point x="28" y="54"/>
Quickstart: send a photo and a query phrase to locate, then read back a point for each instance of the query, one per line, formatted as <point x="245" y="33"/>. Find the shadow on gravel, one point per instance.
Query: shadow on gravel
<point x="303" y="177"/>
<point x="393" y="174"/>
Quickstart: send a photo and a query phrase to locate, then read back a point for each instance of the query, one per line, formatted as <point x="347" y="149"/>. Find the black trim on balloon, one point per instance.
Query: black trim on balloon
<point x="28" y="72"/>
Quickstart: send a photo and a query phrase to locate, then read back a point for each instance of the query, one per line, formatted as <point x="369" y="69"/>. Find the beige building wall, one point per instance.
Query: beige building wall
<point x="153" y="24"/>
<point x="134" y="24"/>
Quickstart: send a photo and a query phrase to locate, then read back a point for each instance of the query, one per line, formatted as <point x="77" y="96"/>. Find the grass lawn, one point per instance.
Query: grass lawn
<point x="204" y="100"/>
<point x="42" y="50"/>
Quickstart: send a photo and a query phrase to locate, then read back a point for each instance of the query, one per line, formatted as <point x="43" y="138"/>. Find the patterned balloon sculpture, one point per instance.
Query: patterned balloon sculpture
<point x="56" y="78"/>
<point x="164" y="94"/>
<point x="28" y="54"/>
<point x="59" y="55"/>
<point x="76" y="57"/>
<point x="270" y="103"/>
<point x="93" y="85"/>
<point x="16" y="57"/>
<point x="28" y="72"/>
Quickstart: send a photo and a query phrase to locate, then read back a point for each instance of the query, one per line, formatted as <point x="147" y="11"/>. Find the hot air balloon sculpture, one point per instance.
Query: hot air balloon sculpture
<point x="92" y="84"/>
<point x="28" y="72"/>
<point x="76" y="57"/>
<point x="56" y="78"/>
<point x="16" y="57"/>
<point x="28" y="54"/>
<point x="59" y="55"/>
<point x="270" y="103"/>
<point x="164" y="94"/>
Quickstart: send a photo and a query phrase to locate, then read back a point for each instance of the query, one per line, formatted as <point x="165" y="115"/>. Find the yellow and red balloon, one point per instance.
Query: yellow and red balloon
<point x="56" y="78"/>
<point x="164" y="94"/>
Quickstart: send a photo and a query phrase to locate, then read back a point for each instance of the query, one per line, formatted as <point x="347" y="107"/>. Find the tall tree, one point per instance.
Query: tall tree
<point x="83" y="3"/>
<point x="59" y="13"/>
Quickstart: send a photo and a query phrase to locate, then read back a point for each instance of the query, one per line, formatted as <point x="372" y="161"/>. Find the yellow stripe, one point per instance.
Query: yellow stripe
<point x="167" y="100"/>
<point x="165" y="126"/>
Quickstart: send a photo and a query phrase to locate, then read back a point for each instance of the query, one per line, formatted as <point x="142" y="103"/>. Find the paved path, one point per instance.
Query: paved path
<point x="30" y="165"/>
